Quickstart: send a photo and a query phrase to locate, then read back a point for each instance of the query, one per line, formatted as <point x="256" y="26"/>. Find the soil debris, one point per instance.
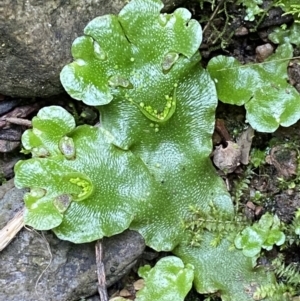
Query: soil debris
<point x="284" y="160"/>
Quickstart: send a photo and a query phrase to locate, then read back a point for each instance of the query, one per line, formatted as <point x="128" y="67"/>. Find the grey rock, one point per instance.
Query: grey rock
<point x="36" y="38"/>
<point x="94" y="298"/>
<point x="7" y="163"/>
<point x="38" y="266"/>
<point x="7" y="186"/>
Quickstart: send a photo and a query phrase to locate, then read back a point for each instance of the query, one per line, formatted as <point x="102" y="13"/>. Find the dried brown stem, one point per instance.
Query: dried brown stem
<point x="213" y="15"/>
<point x="101" y="272"/>
<point x="11" y="229"/>
<point x="19" y="121"/>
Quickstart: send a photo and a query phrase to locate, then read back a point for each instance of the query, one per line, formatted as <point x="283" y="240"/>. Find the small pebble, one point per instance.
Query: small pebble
<point x="258" y="210"/>
<point x="241" y="31"/>
<point x="251" y="206"/>
<point x="263" y="51"/>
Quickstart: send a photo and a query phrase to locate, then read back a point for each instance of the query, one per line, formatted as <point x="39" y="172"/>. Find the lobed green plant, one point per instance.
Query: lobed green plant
<point x="270" y="101"/>
<point x="168" y="280"/>
<point x="283" y="35"/>
<point x="264" y="234"/>
<point x="253" y="8"/>
<point x="148" y="163"/>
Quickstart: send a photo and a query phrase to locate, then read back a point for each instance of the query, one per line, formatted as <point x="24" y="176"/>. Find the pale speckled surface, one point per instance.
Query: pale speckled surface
<point x="36" y="37"/>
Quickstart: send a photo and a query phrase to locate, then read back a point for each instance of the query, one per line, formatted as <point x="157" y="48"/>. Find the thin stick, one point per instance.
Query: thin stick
<point x="19" y="121"/>
<point x="11" y="229"/>
<point x="101" y="272"/>
<point x="213" y="15"/>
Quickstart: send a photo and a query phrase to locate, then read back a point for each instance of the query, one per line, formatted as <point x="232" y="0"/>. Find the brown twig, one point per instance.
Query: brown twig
<point x="20" y="112"/>
<point x="101" y="272"/>
<point x="221" y="129"/>
<point x="19" y="121"/>
<point x="11" y="229"/>
<point x="213" y="15"/>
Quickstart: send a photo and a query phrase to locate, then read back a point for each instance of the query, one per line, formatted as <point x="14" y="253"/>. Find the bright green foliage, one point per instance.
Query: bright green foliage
<point x="215" y="271"/>
<point x="166" y="42"/>
<point x="276" y="292"/>
<point x="257" y="157"/>
<point x="289" y="282"/>
<point x="296" y="223"/>
<point x="291" y="35"/>
<point x="132" y="166"/>
<point x="169" y="280"/>
<point x="252" y="8"/>
<point x="290" y="7"/>
<point x="264" y="234"/>
<point x="215" y="221"/>
<point x="148" y="163"/>
<point x="96" y="207"/>
<point x="269" y="100"/>
<point x="290" y="273"/>
<point x="287" y="5"/>
<point x="48" y="129"/>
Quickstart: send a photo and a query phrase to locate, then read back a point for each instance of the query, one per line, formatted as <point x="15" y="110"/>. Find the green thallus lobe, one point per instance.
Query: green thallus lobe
<point x="117" y="176"/>
<point x="165" y="114"/>
<point x="85" y="186"/>
<point x="147" y="110"/>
